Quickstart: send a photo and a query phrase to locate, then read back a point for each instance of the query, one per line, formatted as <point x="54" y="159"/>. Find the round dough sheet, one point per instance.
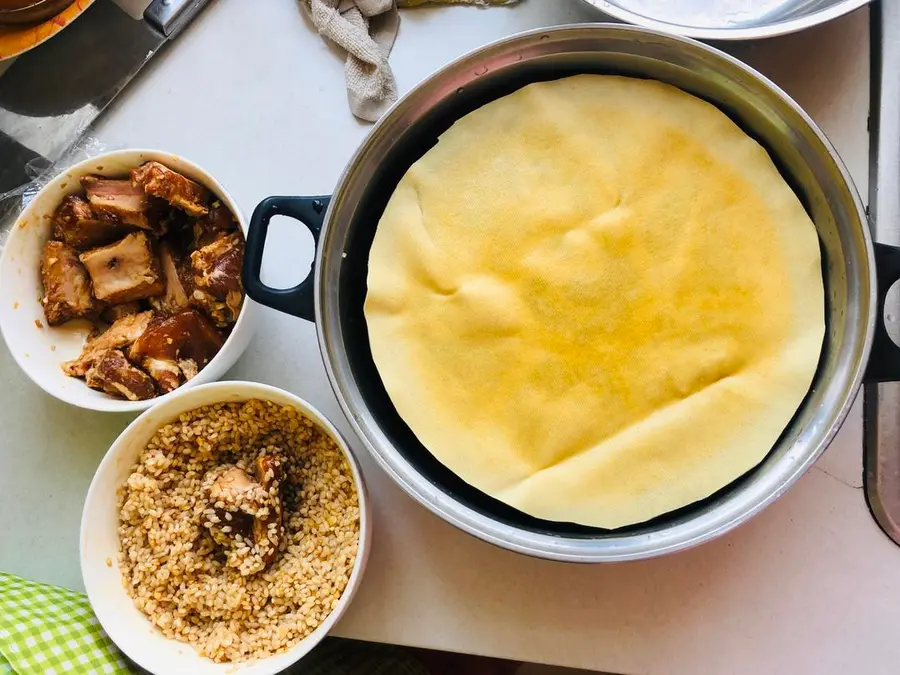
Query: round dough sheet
<point x="596" y="300"/>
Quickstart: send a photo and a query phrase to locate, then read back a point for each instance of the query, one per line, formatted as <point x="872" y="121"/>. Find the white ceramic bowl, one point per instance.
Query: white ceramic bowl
<point x="126" y="625"/>
<point x="40" y="349"/>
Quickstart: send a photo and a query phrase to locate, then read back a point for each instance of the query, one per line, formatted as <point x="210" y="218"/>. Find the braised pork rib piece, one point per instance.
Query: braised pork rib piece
<point x="268" y="530"/>
<point x="160" y="181"/>
<point x="122" y="202"/>
<point x="67" y="288"/>
<point x="177" y="273"/>
<point x="174" y="349"/>
<point x="115" y="375"/>
<point x="125" y="271"/>
<point x="243" y="513"/>
<point x="122" y="333"/>
<point x="218" y="289"/>
<point x="77" y="225"/>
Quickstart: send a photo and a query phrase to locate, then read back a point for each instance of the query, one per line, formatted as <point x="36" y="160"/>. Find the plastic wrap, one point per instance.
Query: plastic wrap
<point x="41" y="172"/>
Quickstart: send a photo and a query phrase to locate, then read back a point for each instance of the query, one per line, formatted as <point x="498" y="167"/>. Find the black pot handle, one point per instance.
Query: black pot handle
<point x="884" y="362"/>
<point x="298" y="300"/>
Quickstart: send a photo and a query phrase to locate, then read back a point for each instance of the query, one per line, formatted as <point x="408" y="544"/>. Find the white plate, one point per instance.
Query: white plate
<point x="727" y="19"/>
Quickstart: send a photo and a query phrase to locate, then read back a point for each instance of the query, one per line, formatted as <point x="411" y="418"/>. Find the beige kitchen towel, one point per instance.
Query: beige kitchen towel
<point x="366" y="30"/>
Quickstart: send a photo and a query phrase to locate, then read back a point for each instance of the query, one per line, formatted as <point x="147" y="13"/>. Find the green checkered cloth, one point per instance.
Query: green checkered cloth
<point x="46" y="630"/>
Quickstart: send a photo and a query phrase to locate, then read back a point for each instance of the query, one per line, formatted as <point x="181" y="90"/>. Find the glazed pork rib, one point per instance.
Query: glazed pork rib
<point x="67" y="288"/>
<point x="176" y="270"/>
<point x="174" y="349"/>
<point x="219" y="218"/>
<point x="120" y="201"/>
<point x="125" y="271"/>
<point x="123" y="333"/>
<point x="218" y="289"/>
<point x="247" y="511"/>
<point x="113" y="373"/>
<point x="78" y="226"/>
<point x="204" y="231"/>
<point x="268" y="531"/>
<point x="160" y="181"/>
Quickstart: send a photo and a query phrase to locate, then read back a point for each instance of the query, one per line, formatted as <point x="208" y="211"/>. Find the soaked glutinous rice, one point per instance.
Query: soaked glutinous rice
<point x="221" y="601"/>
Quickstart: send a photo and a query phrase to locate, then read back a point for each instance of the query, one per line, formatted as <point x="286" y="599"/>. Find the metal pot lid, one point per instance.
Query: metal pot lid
<point x="727" y="19"/>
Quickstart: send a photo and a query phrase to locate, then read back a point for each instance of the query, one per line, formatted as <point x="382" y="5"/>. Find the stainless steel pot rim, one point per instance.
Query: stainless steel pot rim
<point x="612" y="547"/>
<point x="742" y="33"/>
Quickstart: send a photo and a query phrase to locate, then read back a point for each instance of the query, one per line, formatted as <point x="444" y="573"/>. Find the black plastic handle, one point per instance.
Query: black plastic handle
<point x="298" y="300"/>
<point x="884" y="362"/>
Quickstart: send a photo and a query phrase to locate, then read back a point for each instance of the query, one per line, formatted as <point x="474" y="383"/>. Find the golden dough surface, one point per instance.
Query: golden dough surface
<point x="596" y="300"/>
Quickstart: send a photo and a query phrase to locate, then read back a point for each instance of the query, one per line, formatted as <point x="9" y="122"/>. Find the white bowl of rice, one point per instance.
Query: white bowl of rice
<point x="167" y="572"/>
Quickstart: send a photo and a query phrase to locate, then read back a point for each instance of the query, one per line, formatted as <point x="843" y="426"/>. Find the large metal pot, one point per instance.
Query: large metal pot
<point x="344" y="226"/>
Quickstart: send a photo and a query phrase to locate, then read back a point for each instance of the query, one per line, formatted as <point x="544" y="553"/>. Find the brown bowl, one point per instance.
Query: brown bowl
<point x="24" y="12"/>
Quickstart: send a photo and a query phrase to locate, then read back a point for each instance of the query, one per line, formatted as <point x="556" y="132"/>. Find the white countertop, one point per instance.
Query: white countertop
<point x="251" y="93"/>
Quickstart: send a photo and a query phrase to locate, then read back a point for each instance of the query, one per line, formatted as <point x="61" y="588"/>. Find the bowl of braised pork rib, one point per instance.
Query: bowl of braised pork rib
<point x="121" y="281"/>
